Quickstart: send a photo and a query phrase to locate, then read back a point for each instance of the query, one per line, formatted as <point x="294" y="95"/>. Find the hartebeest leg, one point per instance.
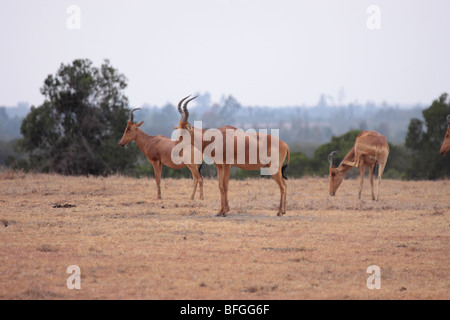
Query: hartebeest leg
<point x="157" y="167"/>
<point x="197" y="180"/>
<point x="200" y="182"/>
<point x="371" y="169"/>
<point x="222" y="194"/>
<point x="380" y="173"/>
<point x="225" y="182"/>
<point x="361" y="178"/>
<point x="283" y="185"/>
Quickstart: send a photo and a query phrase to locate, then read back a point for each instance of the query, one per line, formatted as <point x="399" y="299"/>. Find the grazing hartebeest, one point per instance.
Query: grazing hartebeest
<point x="158" y="150"/>
<point x="446" y="144"/>
<point x="370" y="148"/>
<point x="224" y="161"/>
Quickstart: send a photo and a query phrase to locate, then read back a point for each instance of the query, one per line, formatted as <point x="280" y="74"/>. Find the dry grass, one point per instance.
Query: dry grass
<point x="130" y="246"/>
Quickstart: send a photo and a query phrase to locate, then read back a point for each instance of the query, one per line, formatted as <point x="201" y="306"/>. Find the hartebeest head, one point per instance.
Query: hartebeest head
<point x="336" y="176"/>
<point x="182" y="109"/>
<point x="131" y="130"/>
<point x="446" y="144"/>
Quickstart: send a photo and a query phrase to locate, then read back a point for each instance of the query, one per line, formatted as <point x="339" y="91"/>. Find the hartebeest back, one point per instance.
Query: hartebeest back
<point x="158" y="150"/>
<point x="446" y="144"/>
<point x="370" y="148"/>
<point x="244" y="142"/>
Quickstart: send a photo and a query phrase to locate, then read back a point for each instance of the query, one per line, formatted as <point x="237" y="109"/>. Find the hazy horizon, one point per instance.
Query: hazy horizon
<point x="263" y="52"/>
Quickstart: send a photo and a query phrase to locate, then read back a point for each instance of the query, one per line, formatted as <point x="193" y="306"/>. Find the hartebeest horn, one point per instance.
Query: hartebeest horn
<point x="331" y="158"/>
<point x="180" y="103"/>
<point x="131" y="113"/>
<point x="185" y="110"/>
<point x="448" y="120"/>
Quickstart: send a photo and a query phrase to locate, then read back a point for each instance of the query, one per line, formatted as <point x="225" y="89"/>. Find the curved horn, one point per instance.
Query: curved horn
<point x="186" y="112"/>
<point x="131" y="113"/>
<point x="180" y="103"/>
<point x="331" y="158"/>
<point x="448" y="119"/>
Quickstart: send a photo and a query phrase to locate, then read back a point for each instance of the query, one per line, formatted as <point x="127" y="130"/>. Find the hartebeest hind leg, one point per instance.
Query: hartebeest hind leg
<point x="225" y="181"/>
<point x="220" y="179"/>
<point x="283" y="188"/>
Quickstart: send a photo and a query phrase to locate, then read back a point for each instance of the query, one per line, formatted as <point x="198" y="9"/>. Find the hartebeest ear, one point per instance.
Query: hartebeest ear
<point x="139" y="124"/>
<point x="189" y="127"/>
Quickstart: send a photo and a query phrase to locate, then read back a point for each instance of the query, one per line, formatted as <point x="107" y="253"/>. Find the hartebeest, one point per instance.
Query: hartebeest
<point x="446" y="144"/>
<point x="228" y="155"/>
<point x="158" y="150"/>
<point x="370" y="148"/>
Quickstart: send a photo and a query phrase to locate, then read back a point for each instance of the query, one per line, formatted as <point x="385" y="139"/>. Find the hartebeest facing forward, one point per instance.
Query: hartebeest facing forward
<point x="370" y="148"/>
<point x="158" y="151"/>
<point x="223" y="163"/>
<point x="446" y="144"/>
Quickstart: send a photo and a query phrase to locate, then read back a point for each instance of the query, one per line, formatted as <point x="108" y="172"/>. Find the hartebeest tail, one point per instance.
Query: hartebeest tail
<point x="284" y="167"/>
<point x="253" y="142"/>
<point x="158" y="150"/>
<point x="446" y="144"/>
<point x="370" y="148"/>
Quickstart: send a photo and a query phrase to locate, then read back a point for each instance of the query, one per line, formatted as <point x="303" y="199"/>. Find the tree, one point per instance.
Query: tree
<point x="77" y="128"/>
<point x="424" y="139"/>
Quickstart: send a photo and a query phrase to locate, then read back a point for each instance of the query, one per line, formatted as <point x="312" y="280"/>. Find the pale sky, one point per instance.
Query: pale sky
<point x="264" y="52"/>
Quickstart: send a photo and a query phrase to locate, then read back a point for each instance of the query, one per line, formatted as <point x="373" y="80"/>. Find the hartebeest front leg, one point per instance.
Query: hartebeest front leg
<point x="197" y="180"/>
<point x="361" y="178"/>
<point x="283" y="186"/>
<point x="157" y="167"/>
<point x="380" y="173"/>
<point x="220" y="177"/>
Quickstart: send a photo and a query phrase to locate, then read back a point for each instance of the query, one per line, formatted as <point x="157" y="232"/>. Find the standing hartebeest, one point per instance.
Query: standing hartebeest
<point x="446" y="144"/>
<point x="370" y="148"/>
<point x="158" y="150"/>
<point x="228" y="155"/>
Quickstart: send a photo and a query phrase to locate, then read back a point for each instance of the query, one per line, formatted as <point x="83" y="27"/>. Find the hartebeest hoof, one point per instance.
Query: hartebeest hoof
<point x="280" y="214"/>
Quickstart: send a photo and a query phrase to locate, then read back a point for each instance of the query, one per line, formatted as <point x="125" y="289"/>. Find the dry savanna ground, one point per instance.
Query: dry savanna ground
<point x="128" y="245"/>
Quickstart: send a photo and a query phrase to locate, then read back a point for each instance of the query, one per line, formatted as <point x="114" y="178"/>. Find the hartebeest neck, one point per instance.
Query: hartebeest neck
<point x="198" y="134"/>
<point x="143" y="140"/>
<point x="344" y="166"/>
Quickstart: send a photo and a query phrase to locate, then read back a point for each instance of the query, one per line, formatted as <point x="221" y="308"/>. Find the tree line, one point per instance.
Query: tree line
<point x="76" y="130"/>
